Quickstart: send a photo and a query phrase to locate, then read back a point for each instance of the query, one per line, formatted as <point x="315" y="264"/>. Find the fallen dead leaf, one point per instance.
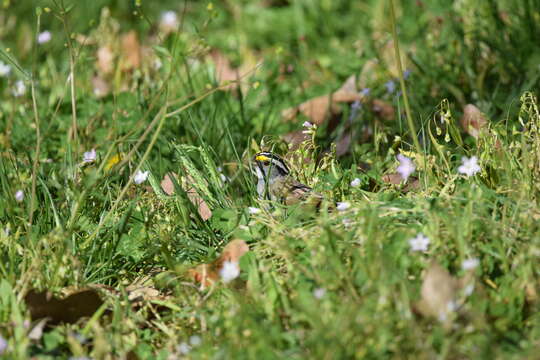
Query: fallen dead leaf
<point x="207" y="274"/>
<point x="473" y="120"/>
<point x="316" y="109"/>
<point x="320" y="108"/>
<point x="531" y="295"/>
<point x="383" y="109"/>
<point x="131" y="51"/>
<point x="167" y="184"/>
<point x="439" y="294"/>
<point x="139" y="293"/>
<point x="105" y="60"/>
<point x="343" y="145"/>
<point x="69" y="310"/>
<point x="37" y="329"/>
<point x="395" y="178"/>
<point x="168" y="187"/>
<point x="101" y="87"/>
<point x="224" y="71"/>
<point x="295" y="138"/>
<point x="202" y="207"/>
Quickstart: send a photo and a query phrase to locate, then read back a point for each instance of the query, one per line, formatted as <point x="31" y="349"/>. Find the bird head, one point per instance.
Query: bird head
<point x="268" y="166"/>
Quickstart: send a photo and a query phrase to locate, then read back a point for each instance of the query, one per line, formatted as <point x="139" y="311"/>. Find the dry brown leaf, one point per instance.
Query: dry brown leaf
<point x="395" y="178"/>
<point x="142" y="293"/>
<point x="343" y="145"/>
<point x="105" y="59"/>
<point x="69" y="310"/>
<point x="224" y="71"/>
<point x="320" y="108"/>
<point x="131" y="51"/>
<point x="101" y="87"/>
<point x="207" y="274"/>
<point x="202" y="207"/>
<point x="439" y="294"/>
<point x="37" y="329"/>
<point x="383" y="109"/>
<point x="167" y="184"/>
<point x="234" y="250"/>
<point x="295" y="138"/>
<point x="473" y="120"/>
<point x="531" y="295"/>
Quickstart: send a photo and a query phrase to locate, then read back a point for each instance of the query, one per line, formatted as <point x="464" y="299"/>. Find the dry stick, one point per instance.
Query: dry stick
<point x="38" y="141"/>
<point x="72" y="80"/>
<point x="36" y="156"/>
<point x="402" y="80"/>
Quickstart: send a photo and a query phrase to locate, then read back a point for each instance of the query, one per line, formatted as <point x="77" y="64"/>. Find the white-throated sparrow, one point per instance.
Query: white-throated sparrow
<point x="274" y="181"/>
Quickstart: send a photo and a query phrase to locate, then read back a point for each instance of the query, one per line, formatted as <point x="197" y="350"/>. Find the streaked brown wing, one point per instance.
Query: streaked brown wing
<point x="297" y="191"/>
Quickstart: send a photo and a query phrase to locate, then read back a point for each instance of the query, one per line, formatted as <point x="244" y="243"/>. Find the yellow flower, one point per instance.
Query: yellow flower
<point x="113" y="160"/>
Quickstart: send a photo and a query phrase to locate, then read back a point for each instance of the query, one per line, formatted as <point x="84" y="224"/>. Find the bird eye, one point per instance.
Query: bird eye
<point x="266" y="163"/>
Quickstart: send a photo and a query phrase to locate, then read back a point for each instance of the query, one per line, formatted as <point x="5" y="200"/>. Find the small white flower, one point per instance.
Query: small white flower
<point x="5" y="69"/>
<point x="195" y="340"/>
<point x="452" y="305"/>
<point x="89" y="156"/>
<point x="419" y="243"/>
<point x="319" y="293"/>
<point x="229" y="271"/>
<point x="183" y="348"/>
<point x="19" y="89"/>
<point x="169" y="21"/>
<point x="307" y="124"/>
<point x="469" y="264"/>
<point x="406" y="166"/>
<point x="468" y="290"/>
<point x="44" y="37"/>
<point x="140" y="177"/>
<point x="356" y="182"/>
<point x="19" y="195"/>
<point x="223" y="177"/>
<point x="469" y="166"/>
<point x="254" y="210"/>
<point x="342" y="206"/>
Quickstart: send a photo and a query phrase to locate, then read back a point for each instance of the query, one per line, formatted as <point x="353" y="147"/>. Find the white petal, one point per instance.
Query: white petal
<point x="342" y="206"/>
<point x="229" y="271"/>
<point x="19" y="195"/>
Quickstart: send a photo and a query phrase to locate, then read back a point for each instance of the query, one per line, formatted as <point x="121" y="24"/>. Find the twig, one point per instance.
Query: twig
<point x="410" y="121"/>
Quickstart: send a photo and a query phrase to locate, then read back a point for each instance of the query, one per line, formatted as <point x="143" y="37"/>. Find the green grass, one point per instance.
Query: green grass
<point x="329" y="284"/>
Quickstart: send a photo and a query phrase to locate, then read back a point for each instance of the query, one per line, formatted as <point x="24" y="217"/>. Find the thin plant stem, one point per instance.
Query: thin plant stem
<point x="410" y="121"/>
<point x="38" y="138"/>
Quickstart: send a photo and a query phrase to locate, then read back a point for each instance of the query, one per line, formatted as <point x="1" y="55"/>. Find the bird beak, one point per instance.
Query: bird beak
<point x="262" y="158"/>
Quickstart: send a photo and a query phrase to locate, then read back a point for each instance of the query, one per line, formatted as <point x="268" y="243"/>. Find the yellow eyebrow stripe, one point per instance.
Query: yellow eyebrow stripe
<point x="262" y="158"/>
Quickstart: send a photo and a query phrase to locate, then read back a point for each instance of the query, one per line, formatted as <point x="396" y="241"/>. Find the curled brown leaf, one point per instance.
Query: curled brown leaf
<point x="207" y="274"/>
<point x="473" y="120"/>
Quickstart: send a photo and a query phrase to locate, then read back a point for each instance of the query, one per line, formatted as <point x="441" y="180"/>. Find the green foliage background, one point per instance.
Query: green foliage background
<point x="89" y="225"/>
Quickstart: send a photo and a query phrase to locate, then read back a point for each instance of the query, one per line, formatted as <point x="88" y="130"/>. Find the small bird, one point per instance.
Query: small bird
<point x="275" y="183"/>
